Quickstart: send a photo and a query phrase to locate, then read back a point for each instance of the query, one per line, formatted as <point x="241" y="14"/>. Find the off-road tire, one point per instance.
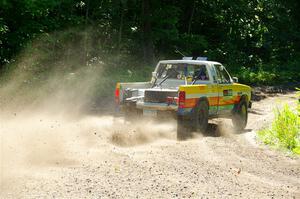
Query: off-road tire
<point x="201" y="116"/>
<point x="184" y="128"/>
<point x="132" y="113"/>
<point x="240" y="115"/>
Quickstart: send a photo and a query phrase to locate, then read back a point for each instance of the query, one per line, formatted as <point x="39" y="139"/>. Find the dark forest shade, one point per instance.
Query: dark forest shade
<point x="245" y="35"/>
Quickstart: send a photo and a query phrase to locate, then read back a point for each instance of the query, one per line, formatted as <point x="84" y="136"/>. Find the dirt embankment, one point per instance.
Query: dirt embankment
<point x="48" y="155"/>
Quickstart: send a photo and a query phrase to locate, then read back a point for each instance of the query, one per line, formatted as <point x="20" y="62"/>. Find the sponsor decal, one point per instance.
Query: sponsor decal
<point x="227" y="92"/>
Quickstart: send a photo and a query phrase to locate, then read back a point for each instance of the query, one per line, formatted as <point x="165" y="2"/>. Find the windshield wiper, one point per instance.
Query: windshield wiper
<point x="162" y="81"/>
<point x="194" y="81"/>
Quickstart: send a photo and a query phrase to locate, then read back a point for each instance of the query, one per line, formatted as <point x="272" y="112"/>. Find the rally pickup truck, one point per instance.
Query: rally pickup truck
<point x="193" y="91"/>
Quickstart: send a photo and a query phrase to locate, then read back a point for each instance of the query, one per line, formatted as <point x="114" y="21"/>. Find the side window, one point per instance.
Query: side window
<point x="200" y="73"/>
<point x="214" y="74"/>
<point x="222" y="75"/>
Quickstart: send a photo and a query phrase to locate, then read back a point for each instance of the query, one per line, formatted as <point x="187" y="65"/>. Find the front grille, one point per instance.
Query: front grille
<point x="159" y="96"/>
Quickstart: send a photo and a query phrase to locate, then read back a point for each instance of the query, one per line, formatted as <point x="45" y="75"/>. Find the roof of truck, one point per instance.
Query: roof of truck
<point x="189" y="61"/>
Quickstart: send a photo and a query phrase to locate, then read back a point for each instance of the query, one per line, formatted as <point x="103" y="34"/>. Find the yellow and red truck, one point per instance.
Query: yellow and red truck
<point x="193" y="91"/>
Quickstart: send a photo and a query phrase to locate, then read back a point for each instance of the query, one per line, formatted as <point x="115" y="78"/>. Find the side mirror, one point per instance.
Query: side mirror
<point x="235" y="79"/>
<point x="154" y="74"/>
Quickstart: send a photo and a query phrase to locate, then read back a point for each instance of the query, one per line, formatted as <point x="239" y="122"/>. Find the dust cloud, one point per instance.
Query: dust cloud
<point x="34" y="140"/>
<point x="47" y="116"/>
<point x="142" y="132"/>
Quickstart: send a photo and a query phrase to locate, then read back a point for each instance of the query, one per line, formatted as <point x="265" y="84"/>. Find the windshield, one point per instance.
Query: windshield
<point x="181" y="70"/>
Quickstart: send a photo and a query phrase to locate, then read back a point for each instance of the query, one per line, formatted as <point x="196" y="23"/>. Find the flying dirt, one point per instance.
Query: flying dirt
<point x="53" y="145"/>
<point x="48" y="154"/>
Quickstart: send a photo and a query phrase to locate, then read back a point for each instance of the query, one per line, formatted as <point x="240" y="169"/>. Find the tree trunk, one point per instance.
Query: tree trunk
<point x="86" y="52"/>
<point x="191" y="18"/>
<point x="121" y="26"/>
<point x="148" y="51"/>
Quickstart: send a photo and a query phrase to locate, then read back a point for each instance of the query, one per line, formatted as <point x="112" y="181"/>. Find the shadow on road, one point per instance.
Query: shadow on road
<point x="218" y="130"/>
<point x="255" y="112"/>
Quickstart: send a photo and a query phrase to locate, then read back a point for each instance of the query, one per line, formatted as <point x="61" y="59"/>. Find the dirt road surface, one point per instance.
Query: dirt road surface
<point x="57" y="156"/>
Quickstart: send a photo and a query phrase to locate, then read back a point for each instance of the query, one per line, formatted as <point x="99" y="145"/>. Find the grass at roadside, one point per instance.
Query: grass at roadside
<point x="284" y="132"/>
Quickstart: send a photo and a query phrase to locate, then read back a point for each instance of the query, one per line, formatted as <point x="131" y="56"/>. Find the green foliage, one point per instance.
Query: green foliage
<point x="258" y="40"/>
<point x="298" y="106"/>
<point x="284" y="132"/>
<point x="259" y="77"/>
<point x="266" y="75"/>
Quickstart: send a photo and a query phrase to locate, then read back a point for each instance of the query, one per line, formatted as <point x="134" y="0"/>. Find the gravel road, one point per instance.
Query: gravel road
<point x="57" y="156"/>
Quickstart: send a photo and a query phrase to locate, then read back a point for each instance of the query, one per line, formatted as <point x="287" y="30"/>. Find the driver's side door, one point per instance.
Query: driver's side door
<point x="225" y="90"/>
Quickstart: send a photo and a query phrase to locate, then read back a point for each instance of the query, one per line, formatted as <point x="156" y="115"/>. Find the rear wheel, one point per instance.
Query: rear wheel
<point x="184" y="128"/>
<point x="199" y="121"/>
<point x="240" y="116"/>
<point x="131" y="113"/>
<point x="201" y="117"/>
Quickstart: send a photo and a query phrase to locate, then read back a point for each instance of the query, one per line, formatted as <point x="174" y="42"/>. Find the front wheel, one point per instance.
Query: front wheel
<point x="240" y="116"/>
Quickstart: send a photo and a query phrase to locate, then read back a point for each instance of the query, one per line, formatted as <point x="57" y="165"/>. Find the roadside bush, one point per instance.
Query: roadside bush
<point x="284" y="132"/>
<point x="267" y="76"/>
<point x="298" y="107"/>
<point x="259" y="77"/>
